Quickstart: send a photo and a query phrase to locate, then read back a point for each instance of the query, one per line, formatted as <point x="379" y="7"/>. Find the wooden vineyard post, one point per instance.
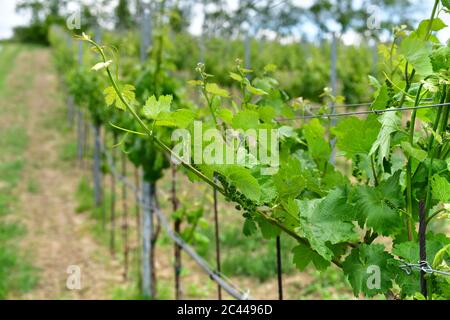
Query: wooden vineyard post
<point x="79" y="136"/>
<point x="155" y="232"/>
<point x="97" y="167"/>
<point x="247" y="49"/>
<point x="148" y="285"/>
<point x="125" y="217"/>
<point x="177" y="226"/>
<point x="70" y="110"/>
<point x="103" y="176"/>
<point x="85" y="141"/>
<point x="146" y="32"/>
<point x="137" y="179"/>
<point x="217" y="238"/>
<point x="80" y="115"/>
<point x="146" y="243"/>
<point x="201" y="39"/>
<point x="333" y="83"/>
<point x="113" y="200"/>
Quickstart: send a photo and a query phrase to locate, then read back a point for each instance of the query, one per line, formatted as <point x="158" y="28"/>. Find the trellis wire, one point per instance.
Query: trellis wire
<point x="350" y="105"/>
<point x="377" y="112"/>
<point x="216" y="276"/>
<point x="343" y="106"/>
<point x="422" y="266"/>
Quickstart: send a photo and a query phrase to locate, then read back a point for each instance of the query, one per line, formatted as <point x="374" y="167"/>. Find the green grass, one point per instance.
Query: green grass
<point x="8" y="54"/>
<point x="84" y="196"/>
<point x="33" y="186"/>
<point x="16" y="275"/>
<point x="250" y="256"/>
<point x="68" y="151"/>
<point x="16" y="272"/>
<point x="14" y="139"/>
<point x="323" y="282"/>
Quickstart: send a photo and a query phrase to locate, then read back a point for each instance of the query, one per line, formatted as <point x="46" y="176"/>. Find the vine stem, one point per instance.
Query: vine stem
<point x="147" y="130"/>
<point x="409" y="201"/>
<point x="188" y="166"/>
<point x="438" y="129"/>
<point x="413" y="72"/>
<point x="435" y="214"/>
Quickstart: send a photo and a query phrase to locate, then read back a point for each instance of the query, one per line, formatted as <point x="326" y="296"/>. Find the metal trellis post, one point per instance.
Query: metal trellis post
<point x="217" y="238"/>
<point x="125" y="217"/>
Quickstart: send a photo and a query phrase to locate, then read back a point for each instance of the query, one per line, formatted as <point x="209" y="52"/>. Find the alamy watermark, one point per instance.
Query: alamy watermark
<point x="374" y="19"/>
<point x="74" y="279"/>
<point x="249" y="148"/>
<point x="374" y="278"/>
<point x="74" y="20"/>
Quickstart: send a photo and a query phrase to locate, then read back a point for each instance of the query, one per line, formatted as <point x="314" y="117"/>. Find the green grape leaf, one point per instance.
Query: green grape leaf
<point x="267" y="114"/>
<point x="360" y="143"/>
<point x="289" y="180"/>
<point x="242" y="179"/>
<point x="409" y="250"/>
<point x="374" y="82"/>
<point x="436" y="25"/>
<point x="382" y="99"/>
<point x="154" y="107"/>
<point x="214" y="89"/>
<point x="390" y="123"/>
<point x="446" y="3"/>
<point x="270" y="68"/>
<point x="111" y="96"/>
<point x="249" y="227"/>
<point x="236" y="77"/>
<point x="195" y="82"/>
<point x="439" y="258"/>
<point x="318" y="147"/>
<point x="417" y="53"/>
<point x="378" y="206"/>
<point x="304" y="255"/>
<point x="322" y="226"/>
<point x="440" y="58"/>
<point x="440" y="188"/>
<point x="180" y="118"/>
<point x="255" y="91"/>
<point x="268" y="230"/>
<point x="415" y="153"/>
<point x="226" y="115"/>
<point x="368" y="270"/>
<point x="246" y="119"/>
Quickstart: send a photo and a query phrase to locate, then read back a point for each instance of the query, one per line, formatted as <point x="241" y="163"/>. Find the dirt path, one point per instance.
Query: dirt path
<point x="56" y="236"/>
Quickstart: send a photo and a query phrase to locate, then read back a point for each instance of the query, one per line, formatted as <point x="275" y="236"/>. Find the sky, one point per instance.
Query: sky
<point x="9" y="18"/>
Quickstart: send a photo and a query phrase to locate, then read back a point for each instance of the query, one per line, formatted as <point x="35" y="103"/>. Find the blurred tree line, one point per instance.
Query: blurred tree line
<point x="303" y="61"/>
<point x="280" y="17"/>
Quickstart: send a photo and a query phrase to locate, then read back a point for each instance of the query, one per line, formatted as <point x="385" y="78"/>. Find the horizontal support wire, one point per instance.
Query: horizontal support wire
<point x="422" y="266"/>
<point x="217" y="277"/>
<point x="363" y="112"/>
<point x="349" y="105"/>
